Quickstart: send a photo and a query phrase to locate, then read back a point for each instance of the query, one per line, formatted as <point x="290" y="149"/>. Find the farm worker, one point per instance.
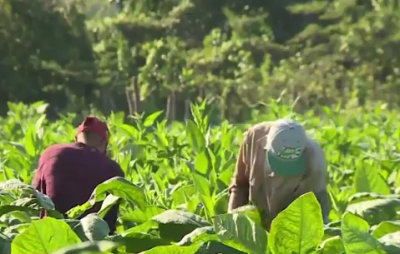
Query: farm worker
<point x="277" y="163"/>
<point x="68" y="173"/>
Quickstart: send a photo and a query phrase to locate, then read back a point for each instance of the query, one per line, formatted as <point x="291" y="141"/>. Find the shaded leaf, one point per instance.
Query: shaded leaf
<point x="96" y="246"/>
<point x="203" y="234"/>
<point x="391" y="242"/>
<point x="139" y="216"/>
<point x="385" y="227"/>
<point x="175" y="224"/>
<point x="333" y="245"/>
<point x="356" y="238"/>
<point x="250" y="211"/>
<point x="212" y="247"/>
<point x="117" y="186"/>
<point x="94" y="227"/>
<point x="377" y="210"/>
<point x="240" y="232"/>
<point x="173" y="249"/>
<point x="136" y="242"/>
<point x="107" y="204"/>
<point x="142" y="228"/>
<point x="5" y="244"/>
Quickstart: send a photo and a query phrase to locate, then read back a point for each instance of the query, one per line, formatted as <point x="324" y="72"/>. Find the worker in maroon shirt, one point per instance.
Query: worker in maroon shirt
<point x="68" y="173"/>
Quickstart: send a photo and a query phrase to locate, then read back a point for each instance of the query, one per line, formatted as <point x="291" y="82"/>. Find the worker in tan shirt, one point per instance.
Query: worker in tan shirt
<point x="277" y="163"/>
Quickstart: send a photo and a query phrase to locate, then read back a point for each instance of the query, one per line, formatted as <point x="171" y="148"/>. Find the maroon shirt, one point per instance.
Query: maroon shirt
<point x="68" y="174"/>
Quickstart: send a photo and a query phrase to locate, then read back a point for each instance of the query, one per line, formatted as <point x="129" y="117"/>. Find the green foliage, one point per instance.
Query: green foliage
<point x="297" y="229"/>
<point x="236" y="54"/>
<point x="44" y="236"/>
<point x="174" y="196"/>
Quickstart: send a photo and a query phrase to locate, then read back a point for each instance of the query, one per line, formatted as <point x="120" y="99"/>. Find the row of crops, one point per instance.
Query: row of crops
<point x="174" y="197"/>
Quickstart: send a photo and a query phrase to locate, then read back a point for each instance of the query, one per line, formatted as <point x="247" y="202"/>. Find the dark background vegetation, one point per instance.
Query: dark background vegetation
<point x="147" y="55"/>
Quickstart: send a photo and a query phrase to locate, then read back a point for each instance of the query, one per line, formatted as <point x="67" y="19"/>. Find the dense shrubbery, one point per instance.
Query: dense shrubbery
<point x="238" y="54"/>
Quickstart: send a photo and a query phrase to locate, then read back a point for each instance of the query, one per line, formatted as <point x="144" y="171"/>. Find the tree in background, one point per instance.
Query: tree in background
<point x="146" y="55"/>
<point x="45" y="54"/>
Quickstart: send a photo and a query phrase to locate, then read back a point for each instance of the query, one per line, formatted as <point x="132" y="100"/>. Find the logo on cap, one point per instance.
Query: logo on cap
<point x="290" y="153"/>
<point x="286" y="142"/>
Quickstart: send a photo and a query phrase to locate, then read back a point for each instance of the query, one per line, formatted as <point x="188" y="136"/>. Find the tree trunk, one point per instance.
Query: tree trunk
<point x="133" y="96"/>
<point x="187" y="109"/>
<point x="171" y="110"/>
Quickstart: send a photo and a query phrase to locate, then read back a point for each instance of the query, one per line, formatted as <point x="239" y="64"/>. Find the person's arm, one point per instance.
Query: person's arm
<point x="39" y="184"/>
<point x="316" y="181"/>
<point x="239" y="187"/>
<point x="322" y="197"/>
<point x="112" y="215"/>
<point x="37" y="181"/>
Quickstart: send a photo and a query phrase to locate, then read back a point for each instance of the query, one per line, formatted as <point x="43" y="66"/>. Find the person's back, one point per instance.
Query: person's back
<point x="69" y="173"/>
<point x="277" y="163"/>
<point x="72" y="172"/>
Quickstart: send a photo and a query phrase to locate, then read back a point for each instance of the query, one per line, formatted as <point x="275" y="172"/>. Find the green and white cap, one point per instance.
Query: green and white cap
<point x="285" y="146"/>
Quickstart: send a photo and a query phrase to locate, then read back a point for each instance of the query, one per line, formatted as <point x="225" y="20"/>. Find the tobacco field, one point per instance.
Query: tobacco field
<point x="174" y="197"/>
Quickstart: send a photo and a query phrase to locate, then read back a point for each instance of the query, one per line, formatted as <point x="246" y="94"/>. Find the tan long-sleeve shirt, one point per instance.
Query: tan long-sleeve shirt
<point x="253" y="181"/>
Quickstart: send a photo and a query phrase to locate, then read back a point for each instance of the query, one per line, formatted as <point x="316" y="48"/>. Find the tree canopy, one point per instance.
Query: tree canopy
<point x="147" y="55"/>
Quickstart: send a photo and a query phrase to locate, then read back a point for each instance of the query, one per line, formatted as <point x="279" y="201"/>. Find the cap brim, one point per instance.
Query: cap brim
<point x="292" y="167"/>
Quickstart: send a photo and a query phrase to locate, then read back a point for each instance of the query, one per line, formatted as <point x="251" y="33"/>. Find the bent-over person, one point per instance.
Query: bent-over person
<point x="69" y="173"/>
<point x="278" y="162"/>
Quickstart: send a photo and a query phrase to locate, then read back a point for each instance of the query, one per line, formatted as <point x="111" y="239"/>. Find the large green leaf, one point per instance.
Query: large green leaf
<point x="139" y="216"/>
<point x="333" y="245"/>
<point x="221" y="203"/>
<point x="194" y="136"/>
<point x="332" y="231"/>
<point x="385" y="227"/>
<point x="142" y="228"/>
<point x="213" y="247"/>
<point x="13" y="208"/>
<point x="44" y="237"/>
<point x="203" y="234"/>
<point x="135" y="242"/>
<point x="173" y="249"/>
<point x="369" y="180"/>
<point x="22" y="190"/>
<point x="356" y="238"/>
<point x="298" y="228"/>
<point x="94" y="227"/>
<point x="202" y="163"/>
<point x="251" y="211"/>
<point x="238" y="231"/>
<point x="201" y="184"/>
<point x="175" y="224"/>
<point x="30" y="141"/>
<point x="151" y="118"/>
<point x="365" y="196"/>
<point x="391" y="242"/>
<point x="117" y="186"/>
<point x="107" y="204"/>
<point x="376" y="210"/>
<point x="44" y="200"/>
